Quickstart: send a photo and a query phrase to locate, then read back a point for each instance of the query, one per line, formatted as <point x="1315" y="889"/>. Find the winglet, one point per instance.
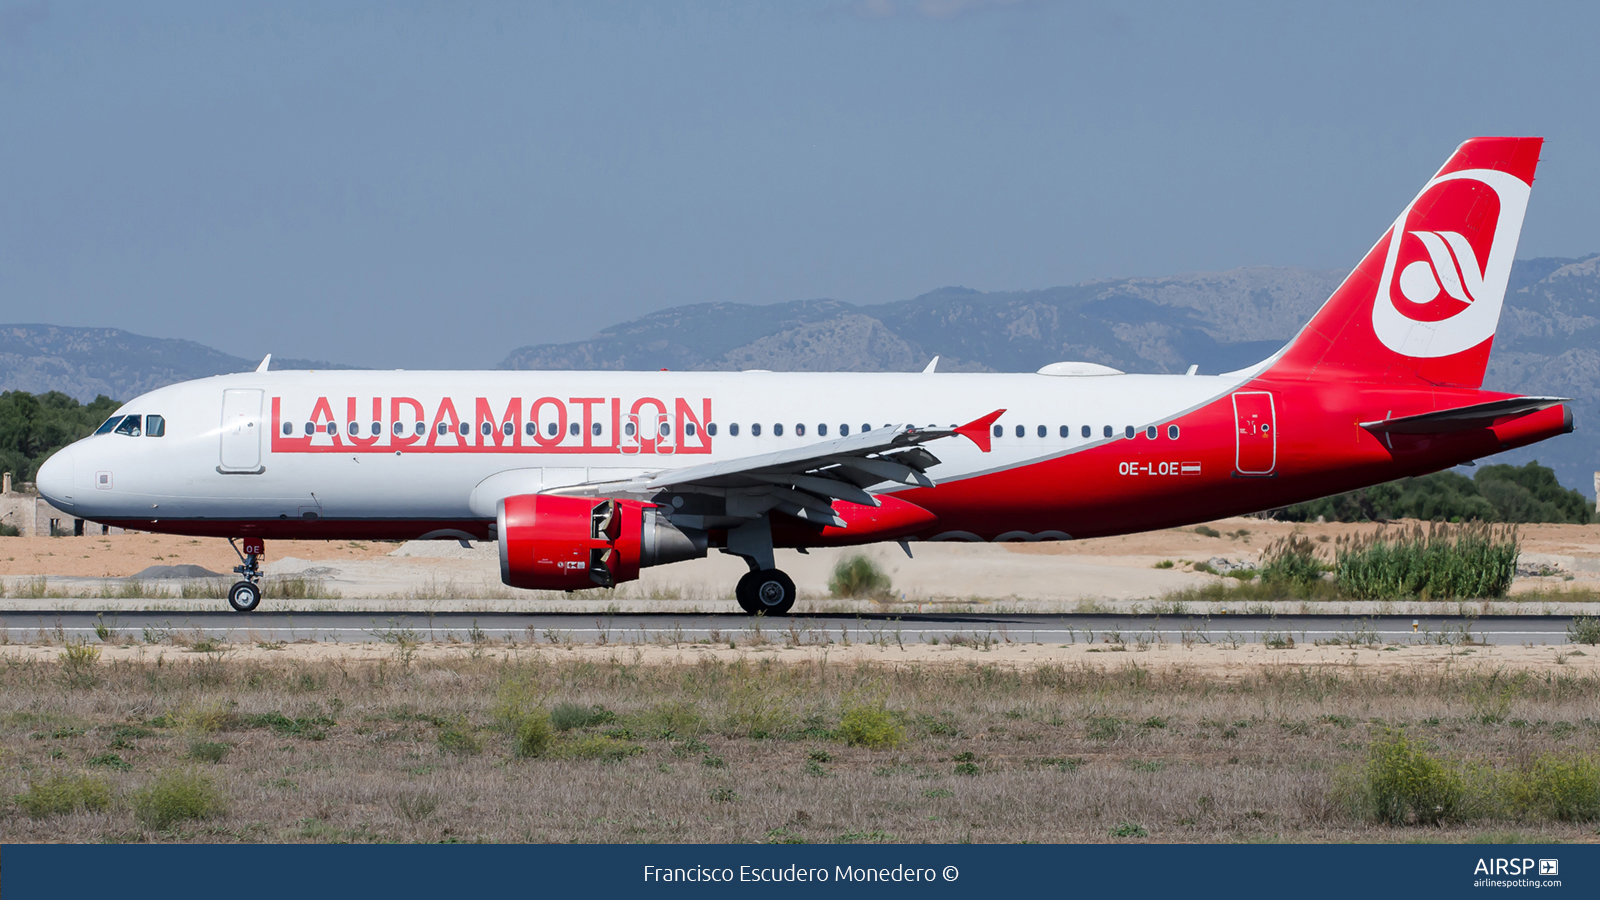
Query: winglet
<point x="264" y="361"/>
<point x="932" y="365"/>
<point x="977" y="430"/>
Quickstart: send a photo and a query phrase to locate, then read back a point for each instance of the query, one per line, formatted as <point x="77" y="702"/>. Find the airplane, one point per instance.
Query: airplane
<point x="585" y="478"/>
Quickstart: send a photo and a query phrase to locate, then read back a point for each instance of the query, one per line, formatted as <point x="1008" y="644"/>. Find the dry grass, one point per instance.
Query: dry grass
<point x="718" y="751"/>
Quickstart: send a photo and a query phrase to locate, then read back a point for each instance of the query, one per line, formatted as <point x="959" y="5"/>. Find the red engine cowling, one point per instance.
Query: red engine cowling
<point x="556" y="543"/>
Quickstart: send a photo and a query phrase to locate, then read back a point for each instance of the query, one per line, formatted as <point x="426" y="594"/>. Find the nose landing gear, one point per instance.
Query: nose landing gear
<point x="245" y="595"/>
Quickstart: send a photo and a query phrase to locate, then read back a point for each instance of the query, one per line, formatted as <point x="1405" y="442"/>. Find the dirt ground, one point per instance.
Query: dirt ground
<point x="1217" y="661"/>
<point x="1112" y="569"/>
<point x="123" y="555"/>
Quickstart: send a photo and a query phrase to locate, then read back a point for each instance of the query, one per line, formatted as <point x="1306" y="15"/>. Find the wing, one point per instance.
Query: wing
<point x="801" y="481"/>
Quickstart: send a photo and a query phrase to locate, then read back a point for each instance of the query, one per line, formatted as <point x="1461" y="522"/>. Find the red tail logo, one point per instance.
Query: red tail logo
<point x="1424" y="303"/>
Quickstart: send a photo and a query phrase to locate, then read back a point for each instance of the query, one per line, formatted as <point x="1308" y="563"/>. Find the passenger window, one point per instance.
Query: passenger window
<point x="711" y="429"/>
<point x="844" y="431"/>
<point x="288" y="429"/>
<point x="531" y="429"/>
<point x="665" y="429"/>
<point x="420" y="429"/>
<point x="1065" y="431"/>
<point x="1086" y="431"/>
<point x="129" y="426"/>
<point x="311" y="428"/>
<point x="688" y="429"/>
<point x="377" y="428"/>
<point x="399" y="429"/>
<point x="354" y="429"/>
<point x="1021" y="431"/>
<point x="999" y="431"/>
<point x="1108" y="431"/>
<point x="733" y="430"/>
<point x="755" y="429"/>
<point x="551" y="428"/>
<point x="595" y="429"/>
<point x="331" y="428"/>
<point x="508" y="429"/>
<point x="800" y="430"/>
<point x="1127" y="432"/>
<point x="777" y="429"/>
<point x="443" y="428"/>
<point x="822" y="430"/>
<point x="1151" y="432"/>
<point x="107" y="425"/>
<point x="1172" y="432"/>
<point x="465" y="429"/>
<point x="573" y="429"/>
<point x="485" y="428"/>
<point x="628" y="429"/>
<point x="1043" y="431"/>
<point x="865" y="427"/>
<point x="155" y="426"/>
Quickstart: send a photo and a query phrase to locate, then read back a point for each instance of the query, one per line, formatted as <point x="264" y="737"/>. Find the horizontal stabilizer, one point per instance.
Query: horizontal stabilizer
<point x="1463" y="418"/>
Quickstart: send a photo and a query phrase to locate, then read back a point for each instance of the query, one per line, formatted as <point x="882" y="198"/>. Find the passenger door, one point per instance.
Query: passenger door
<point x="241" y="432"/>
<point x="1255" y="433"/>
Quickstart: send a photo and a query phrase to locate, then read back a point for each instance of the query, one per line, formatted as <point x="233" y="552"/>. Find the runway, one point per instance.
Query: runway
<point x="24" y="626"/>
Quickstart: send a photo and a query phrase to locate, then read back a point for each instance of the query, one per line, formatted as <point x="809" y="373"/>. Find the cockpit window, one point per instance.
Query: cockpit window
<point x="109" y="424"/>
<point x="155" y="426"/>
<point x="129" y="426"/>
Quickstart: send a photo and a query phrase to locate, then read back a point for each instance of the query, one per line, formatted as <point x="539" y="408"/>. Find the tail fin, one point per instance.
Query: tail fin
<point x="1423" y="305"/>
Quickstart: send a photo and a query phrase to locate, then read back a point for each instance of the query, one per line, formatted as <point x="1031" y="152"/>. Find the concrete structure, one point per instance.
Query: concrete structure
<point x="22" y="508"/>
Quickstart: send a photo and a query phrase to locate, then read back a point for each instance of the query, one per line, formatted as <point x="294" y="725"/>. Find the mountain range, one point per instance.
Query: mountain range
<point x="1548" y="341"/>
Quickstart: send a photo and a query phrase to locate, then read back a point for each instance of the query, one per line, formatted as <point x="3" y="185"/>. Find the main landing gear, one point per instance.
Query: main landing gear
<point x="245" y="595"/>
<point x="767" y="591"/>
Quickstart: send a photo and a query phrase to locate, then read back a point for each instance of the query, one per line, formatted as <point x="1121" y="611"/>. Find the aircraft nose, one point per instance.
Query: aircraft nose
<point x="54" y="480"/>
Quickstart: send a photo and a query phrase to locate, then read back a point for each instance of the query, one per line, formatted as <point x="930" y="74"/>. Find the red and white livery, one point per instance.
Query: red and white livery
<point x="584" y="478"/>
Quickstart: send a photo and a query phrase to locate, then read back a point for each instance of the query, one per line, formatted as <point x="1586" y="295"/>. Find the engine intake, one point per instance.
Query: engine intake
<point x="550" y="542"/>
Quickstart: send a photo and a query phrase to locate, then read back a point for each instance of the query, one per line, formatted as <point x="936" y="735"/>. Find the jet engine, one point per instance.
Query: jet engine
<point x="556" y="543"/>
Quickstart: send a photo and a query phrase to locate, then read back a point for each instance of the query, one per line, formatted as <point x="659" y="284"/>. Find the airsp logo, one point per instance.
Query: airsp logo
<point x="1501" y="866"/>
<point x="1440" y="292"/>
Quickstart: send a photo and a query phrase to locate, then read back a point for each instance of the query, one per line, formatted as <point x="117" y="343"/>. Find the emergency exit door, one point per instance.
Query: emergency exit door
<point x="1255" y="433"/>
<point x="241" y="432"/>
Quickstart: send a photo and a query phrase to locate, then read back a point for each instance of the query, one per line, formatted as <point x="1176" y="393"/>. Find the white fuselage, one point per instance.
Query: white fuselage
<point x="254" y="459"/>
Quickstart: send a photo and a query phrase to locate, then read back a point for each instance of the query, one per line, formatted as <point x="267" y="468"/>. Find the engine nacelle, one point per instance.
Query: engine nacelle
<point x="555" y="543"/>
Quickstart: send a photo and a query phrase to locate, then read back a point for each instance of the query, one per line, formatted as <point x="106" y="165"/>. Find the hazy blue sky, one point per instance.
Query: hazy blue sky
<point x="433" y="184"/>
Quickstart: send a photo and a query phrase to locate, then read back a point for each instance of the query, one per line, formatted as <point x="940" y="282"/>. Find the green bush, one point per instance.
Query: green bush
<point x="595" y="746"/>
<point x="567" y="716"/>
<point x="1556" y="787"/>
<point x="460" y="739"/>
<point x="178" y="796"/>
<point x="673" y="719"/>
<point x="1437" y="563"/>
<point x="1584" y="630"/>
<point x="63" y="794"/>
<point x="1405" y="784"/>
<point x="858" y="576"/>
<point x="1207" y="531"/>
<point x="1292" y="562"/>
<point x="534" y="734"/>
<point x="871" y="726"/>
<point x="9" y="530"/>
<point x="208" y="751"/>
